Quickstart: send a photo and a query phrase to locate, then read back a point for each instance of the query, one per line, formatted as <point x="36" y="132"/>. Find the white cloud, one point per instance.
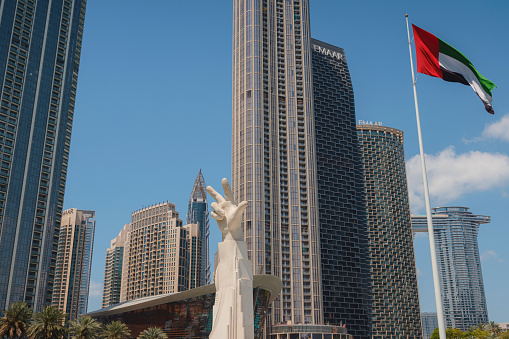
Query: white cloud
<point x="420" y="273"/>
<point x="498" y="129"/>
<point x="490" y="254"/>
<point x="95" y="290"/>
<point x="452" y="175"/>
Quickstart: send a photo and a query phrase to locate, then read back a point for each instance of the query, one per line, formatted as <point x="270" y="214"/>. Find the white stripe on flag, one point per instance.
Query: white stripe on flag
<point x="456" y="66"/>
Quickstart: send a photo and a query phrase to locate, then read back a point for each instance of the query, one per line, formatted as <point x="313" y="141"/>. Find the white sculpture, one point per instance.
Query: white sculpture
<point x="233" y="308"/>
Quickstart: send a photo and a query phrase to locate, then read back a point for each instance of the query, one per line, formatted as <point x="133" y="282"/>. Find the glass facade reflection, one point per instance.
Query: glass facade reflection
<point x="344" y="247"/>
<point x="198" y="213"/>
<point x="40" y="47"/>
<point x="185" y="318"/>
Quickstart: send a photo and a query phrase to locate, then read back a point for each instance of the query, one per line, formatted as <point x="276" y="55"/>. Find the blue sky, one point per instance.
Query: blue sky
<point x="154" y="106"/>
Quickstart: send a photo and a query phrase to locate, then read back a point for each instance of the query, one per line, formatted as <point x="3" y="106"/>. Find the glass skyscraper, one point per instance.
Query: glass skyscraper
<point x="395" y="303"/>
<point x="273" y="152"/>
<point x="113" y="269"/>
<point x="459" y="264"/>
<point x="40" y="46"/>
<point x="198" y="213"/>
<point x="429" y="323"/>
<point x="342" y="208"/>
<point x="74" y="262"/>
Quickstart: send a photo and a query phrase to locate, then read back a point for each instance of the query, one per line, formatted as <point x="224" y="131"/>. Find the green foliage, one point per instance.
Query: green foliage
<point x="84" y="328"/>
<point x="481" y="331"/>
<point x="153" y="333"/>
<point x="477" y="333"/>
<point x="493" y="327"/>
<point x="116" y="330"/>
<point x="48" y="324"/>
<point x="14" y="323"/>
<point x="450" y="333"/>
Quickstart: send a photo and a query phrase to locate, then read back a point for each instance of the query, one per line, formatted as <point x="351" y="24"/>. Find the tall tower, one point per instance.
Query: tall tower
<point x="395" y="306"/>
<point x="74" y="261"/>
<point x="344" y="248"/>
<point x="113" y="269"/>
<point x="273" y="152"/>
<point x="40" y="46"/>
<point x="198" y="213"/>
<point x="194" y="248"/>
<point x="459" y="264"/>
<point x="155" y="253"/>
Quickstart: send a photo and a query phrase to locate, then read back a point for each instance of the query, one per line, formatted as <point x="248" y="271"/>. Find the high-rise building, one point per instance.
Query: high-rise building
<point x="459" y="264"/>
<point x="113" y="269"/>
<point x="155" y="253"/>
<point x="429" y="323"/>
<point x="198" y="213"/>
<point x="40" y="46"/>
<point x="74" y="261"/>
<point x="344" y="250"/>
<point x="194" y="248"/>
<point x="395" y="303"/>
<point x="273" y="152"/>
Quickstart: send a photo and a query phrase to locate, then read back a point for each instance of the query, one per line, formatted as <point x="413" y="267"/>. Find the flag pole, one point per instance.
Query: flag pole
<point x="431" y="234"/>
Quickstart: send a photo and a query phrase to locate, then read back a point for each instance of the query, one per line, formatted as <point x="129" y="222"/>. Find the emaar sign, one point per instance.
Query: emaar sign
<point x="328" y="52"/>
<point x="375" y="123"/>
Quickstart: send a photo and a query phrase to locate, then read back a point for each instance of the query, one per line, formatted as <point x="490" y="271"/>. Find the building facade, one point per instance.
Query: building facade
<point x="198" y="213"/>
<point x="155" y="253"/>
<point x="273" y="152"/>
<point x="395" y="303"/>
<point x="194" y="248"/>
<point x="74" y="262"/>
<point x="429" y="323"/>
<point x="341" y="199"/>
<point x="459" y="264"/>
<point x="40" y="46"/>
<point x="113" y="269"/>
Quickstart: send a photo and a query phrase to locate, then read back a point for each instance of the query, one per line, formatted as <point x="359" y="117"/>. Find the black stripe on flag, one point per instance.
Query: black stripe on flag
<point x="453" y="77"/>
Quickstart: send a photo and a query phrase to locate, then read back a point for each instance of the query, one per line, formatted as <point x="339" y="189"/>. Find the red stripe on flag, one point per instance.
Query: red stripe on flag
<point x="426" y="50"/>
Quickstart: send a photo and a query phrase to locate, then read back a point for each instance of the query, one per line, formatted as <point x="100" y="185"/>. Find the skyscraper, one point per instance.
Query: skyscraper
<point x="194" y="248"/>
<point x="273" y="152"/>
<point x="40" y="46"/>
<point x="459" y="264"/>
<point x="198" y="213"/>
<point x="342" y="208"/>
<point x="74" y="261"/>
<point x="429" y="323"/>
<point x="113" y="269"/>
<point x="155" y="253"/>
<point x="395" y="304"/>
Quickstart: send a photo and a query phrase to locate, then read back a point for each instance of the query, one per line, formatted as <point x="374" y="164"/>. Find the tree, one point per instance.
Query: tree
<point x="477" y="333"/>
<point x="153" y="333"/>
<point x="48" y="324"/>
<point x="450" y="333"/>
<point x="116" y="330"/>
<point x="84" y="328"/>
<point x="495" y="328"/>
<point x="14" y="323"/>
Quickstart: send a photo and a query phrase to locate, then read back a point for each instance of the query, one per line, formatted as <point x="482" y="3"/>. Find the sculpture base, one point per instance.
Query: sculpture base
<point x="233" y="309"/>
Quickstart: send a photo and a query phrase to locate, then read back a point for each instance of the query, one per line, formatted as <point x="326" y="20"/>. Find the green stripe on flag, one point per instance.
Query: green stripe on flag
<point x="447" y="49"/>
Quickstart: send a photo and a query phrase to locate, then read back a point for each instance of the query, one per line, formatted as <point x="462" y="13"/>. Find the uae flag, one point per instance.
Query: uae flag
<point x="441" y="60"/>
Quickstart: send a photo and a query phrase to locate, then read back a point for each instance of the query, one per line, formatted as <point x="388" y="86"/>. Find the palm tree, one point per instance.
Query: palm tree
<point x="153" y="333"/>
<point x="116" y="330"/>
<point x="14" y="323"/>
<point x="495" y="328"/>
<point x="48" y="324"/>
<point x="84" y="328"/>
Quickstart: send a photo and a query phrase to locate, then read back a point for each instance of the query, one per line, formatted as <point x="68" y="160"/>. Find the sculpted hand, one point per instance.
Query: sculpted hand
<point x="227" y="214"/>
